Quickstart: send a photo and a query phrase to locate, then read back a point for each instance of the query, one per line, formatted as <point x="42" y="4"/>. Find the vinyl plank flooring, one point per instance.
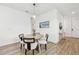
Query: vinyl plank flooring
<point x="67" y="46"/>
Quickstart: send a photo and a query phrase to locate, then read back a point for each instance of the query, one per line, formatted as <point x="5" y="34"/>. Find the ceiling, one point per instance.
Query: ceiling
<point x="67" y="9"/>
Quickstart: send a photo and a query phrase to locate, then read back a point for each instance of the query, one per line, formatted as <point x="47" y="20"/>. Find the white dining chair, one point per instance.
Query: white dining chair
<point x="21" y="36"/>
<point x="30" y="44"/>
<point x="43" y="40"/>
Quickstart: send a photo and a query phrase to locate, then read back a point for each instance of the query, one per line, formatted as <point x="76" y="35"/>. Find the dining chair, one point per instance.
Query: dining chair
<point x="30" y="44"/>
<point x="21" y="36"/>
<point x="43" y="40"/>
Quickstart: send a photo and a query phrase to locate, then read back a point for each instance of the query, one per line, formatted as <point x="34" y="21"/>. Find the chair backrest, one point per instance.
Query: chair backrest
<point x="46" y="37"/>
<point x="21" y="36"/>
<point x="28" y="43"/>
<point x="29" y="40"/>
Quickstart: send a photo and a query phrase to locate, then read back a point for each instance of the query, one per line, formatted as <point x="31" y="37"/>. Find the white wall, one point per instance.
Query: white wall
<point x="53" y="29"/>
<point x="12" y="23"/>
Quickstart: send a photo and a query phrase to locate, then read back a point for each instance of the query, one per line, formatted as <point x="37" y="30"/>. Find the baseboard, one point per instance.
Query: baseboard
<point x="72" y="37"/>
<point x="55" y="42"/>
<point x="8" y="43"/>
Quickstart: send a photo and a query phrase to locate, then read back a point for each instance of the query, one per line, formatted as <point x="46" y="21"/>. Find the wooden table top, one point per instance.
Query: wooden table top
<point x="37" y="36"/>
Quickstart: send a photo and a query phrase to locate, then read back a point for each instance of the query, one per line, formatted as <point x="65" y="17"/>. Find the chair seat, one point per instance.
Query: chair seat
<point x="42" y="42"/>
<point x="21" y="42"/>
<point x="33" y="45"/>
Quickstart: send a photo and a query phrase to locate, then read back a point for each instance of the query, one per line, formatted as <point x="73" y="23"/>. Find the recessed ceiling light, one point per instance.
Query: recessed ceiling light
<point x="73" y="12"/>
<point x="34" y="16"/>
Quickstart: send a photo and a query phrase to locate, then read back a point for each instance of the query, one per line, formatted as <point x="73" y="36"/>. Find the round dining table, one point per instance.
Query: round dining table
<point x="37" y="37"/>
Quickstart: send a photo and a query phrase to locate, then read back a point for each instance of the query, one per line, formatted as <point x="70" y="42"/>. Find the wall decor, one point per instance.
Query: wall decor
<point x="60" y="26"/>
<point x="44" y="24"/>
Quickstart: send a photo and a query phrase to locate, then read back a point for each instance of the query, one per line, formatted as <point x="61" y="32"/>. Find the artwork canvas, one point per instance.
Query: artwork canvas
<point x="44" y="24"/>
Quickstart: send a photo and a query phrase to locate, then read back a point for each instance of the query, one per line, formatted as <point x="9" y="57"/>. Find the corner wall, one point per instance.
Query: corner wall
<point x="12" y="23"/>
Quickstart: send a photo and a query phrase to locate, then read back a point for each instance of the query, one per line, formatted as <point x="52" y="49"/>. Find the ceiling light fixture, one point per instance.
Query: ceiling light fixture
<point x="73" y="12"/>
<point x="34" y="4"/>
<point x="34" y="13"/>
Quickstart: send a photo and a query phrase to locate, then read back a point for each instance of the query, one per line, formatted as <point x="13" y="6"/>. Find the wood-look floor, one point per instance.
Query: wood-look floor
<point x="67" y="46"/>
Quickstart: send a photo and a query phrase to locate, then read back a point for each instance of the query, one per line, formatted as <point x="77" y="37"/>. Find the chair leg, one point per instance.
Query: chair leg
<point x="25" y="51"/>
<point x="45" y="46"/>
<point x="37" y="48"/>
<point x="21" y="46"/>
<point x="40" y="47"/>
<point x="33" y="51"/>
